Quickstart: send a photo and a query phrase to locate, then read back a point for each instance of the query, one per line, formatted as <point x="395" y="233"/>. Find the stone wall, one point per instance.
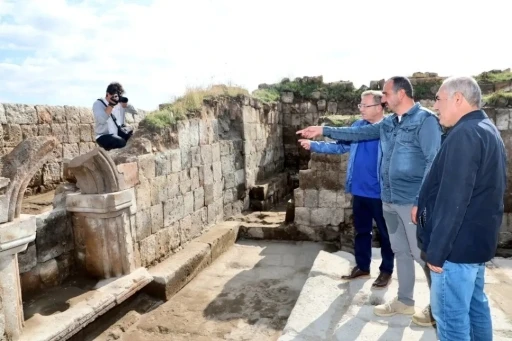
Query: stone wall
<point x="49" y="259"/>
<point x="321" y="204"/>
<point x="72" y="126"/>
<point x="300" y="113"/>
<point x="205" y="174"/>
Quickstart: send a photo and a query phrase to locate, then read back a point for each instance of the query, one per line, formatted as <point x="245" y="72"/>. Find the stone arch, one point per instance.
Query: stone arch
<point x="20" y="165"/>
<point x="96" y="173"/>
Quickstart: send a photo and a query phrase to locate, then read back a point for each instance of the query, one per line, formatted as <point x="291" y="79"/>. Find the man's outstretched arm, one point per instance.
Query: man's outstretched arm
<point x="361" y="133"/>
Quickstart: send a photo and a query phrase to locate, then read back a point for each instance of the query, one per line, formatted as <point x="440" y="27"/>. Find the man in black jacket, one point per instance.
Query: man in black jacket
<point x="460" y="210"/>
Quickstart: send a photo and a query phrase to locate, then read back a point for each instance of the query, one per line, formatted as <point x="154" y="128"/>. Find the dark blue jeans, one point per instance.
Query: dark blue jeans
<point x="459" y="304"/>
<point x="365" y="210"/>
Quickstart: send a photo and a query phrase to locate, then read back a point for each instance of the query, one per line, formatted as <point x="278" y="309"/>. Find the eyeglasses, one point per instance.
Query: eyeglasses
<point x="367" y="106"/>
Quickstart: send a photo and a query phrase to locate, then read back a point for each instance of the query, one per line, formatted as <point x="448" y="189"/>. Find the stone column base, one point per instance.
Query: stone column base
<point x="102" y="228"/>
<point x="14" y="238"/>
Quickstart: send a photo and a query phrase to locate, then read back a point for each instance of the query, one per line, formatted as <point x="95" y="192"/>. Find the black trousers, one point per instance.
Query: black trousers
<point x="110" y="141"/>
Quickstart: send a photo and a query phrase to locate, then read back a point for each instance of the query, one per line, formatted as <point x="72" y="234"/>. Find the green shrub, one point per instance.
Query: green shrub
<point x="267" y="95"/>
<point x="498" y="99"/>
<point x="495" y="76"/>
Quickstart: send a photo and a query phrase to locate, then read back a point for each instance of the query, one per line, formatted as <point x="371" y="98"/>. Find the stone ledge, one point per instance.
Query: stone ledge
<point x="171" y="275"/>
<point x="101" y="203"/>
<point x="18" y="232"/>
<point x="85" y="309"/>
<point x="276" y="231"/>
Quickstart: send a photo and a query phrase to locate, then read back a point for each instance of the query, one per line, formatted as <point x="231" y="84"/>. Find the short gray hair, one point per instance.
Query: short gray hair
<point x="467" y="86"/>
<point x="377" y="95"/>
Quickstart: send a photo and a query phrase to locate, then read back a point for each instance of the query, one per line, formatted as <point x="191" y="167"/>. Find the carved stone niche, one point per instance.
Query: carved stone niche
<point x="17" y="230"/>
<point x="103" y="213"/>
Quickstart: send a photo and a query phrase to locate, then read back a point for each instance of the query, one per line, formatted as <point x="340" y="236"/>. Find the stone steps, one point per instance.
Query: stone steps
<point x="266" y="194"/>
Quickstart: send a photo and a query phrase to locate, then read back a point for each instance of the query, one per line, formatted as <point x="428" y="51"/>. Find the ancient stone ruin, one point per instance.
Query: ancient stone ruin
<point x="151" y="216"/>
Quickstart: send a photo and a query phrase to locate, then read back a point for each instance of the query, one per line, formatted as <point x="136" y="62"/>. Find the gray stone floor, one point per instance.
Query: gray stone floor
<point x="329" y="308"/>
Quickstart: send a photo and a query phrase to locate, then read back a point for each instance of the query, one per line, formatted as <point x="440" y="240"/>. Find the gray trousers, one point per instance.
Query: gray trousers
<point x="404" y="243"/>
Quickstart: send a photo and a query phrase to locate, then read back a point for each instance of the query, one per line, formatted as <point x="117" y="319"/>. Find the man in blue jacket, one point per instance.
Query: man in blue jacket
<point x="460" y="210"/>
<point x="364" y="185"/>
<point x="410" y="139"/>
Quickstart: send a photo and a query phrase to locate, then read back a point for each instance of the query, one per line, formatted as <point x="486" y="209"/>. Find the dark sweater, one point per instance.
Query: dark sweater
<point x="460" y="207"/>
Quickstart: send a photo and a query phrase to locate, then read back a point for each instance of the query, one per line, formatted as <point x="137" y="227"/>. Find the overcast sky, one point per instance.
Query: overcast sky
<point x="67" y="51"/>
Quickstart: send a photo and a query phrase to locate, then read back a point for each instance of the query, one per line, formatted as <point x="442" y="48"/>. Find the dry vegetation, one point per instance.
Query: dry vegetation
<point x="188" y="104"/>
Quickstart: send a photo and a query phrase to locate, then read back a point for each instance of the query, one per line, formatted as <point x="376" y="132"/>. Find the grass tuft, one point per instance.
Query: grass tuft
<point x="188" y="104"/>
<point x="498" y="99"/>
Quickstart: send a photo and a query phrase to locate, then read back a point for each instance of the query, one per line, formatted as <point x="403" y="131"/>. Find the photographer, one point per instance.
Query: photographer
<point x="110" y="130"/>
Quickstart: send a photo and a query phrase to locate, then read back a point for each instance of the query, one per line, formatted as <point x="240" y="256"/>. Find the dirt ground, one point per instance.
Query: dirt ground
<point x="246" y="294"/>
<point x="38" y="203"/>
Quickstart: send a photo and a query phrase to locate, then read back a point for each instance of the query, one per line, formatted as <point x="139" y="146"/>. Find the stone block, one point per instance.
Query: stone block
<point x="130" y="173"/>
<point x="212" y="213"/>
<point x="502" y="119"/>
<point x="217" y="171"/>
<point x="158" y="190"/>
<point x="225" y="148"/>
<point x="220" y="237"/>
<point x="148" y="250"/>
<point x="311" y="198"/>
<point x="54" y="234"/>
<point x="174" y="236"/>
<point x="207" y="174"/>
<point x="327" y="198"/>
<point x="195" y="154"/>
<point x="147" y="167"/>
<point x="162" y="238"/>
<point x="173" y="210"/>
<point x="143" y="193"/>
<point x="298" y="195"/>
<point x="157" y="217"/>
<point x="20" y="114"/>
<point x="173" y="185"/>
<point x="302" y="216"/>
<point x="27" y="259"/>
<point x="188" y="203"/>
<point x="163" y="164"/>
<point x="206" y="154"/>
<point x="216" y="152"/>
<point x="176" y="160"/>
<point x="15" y="235"/>
<point x="171" y="275"/>
<point x="190" y="228"/>
<point x="102" y="203"/>
<point x="198" y="198"/>
<point x="142" y="224"/>
<point x="194" y="178"/>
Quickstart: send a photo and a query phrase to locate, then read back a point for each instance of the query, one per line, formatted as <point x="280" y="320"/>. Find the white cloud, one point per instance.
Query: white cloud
<point x="66" y="52"/>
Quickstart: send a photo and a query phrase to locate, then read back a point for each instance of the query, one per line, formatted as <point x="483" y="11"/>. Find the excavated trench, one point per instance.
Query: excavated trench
<point x="246" y="294"/>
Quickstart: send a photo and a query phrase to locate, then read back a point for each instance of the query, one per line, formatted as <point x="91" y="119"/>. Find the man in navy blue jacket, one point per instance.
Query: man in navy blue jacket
<point x="364" y="185"/>
<point x="460" y="209"/>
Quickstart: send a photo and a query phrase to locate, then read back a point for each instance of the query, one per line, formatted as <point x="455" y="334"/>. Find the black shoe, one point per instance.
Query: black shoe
<point x="356" y="273"/>
<point x="382" y="281"/>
